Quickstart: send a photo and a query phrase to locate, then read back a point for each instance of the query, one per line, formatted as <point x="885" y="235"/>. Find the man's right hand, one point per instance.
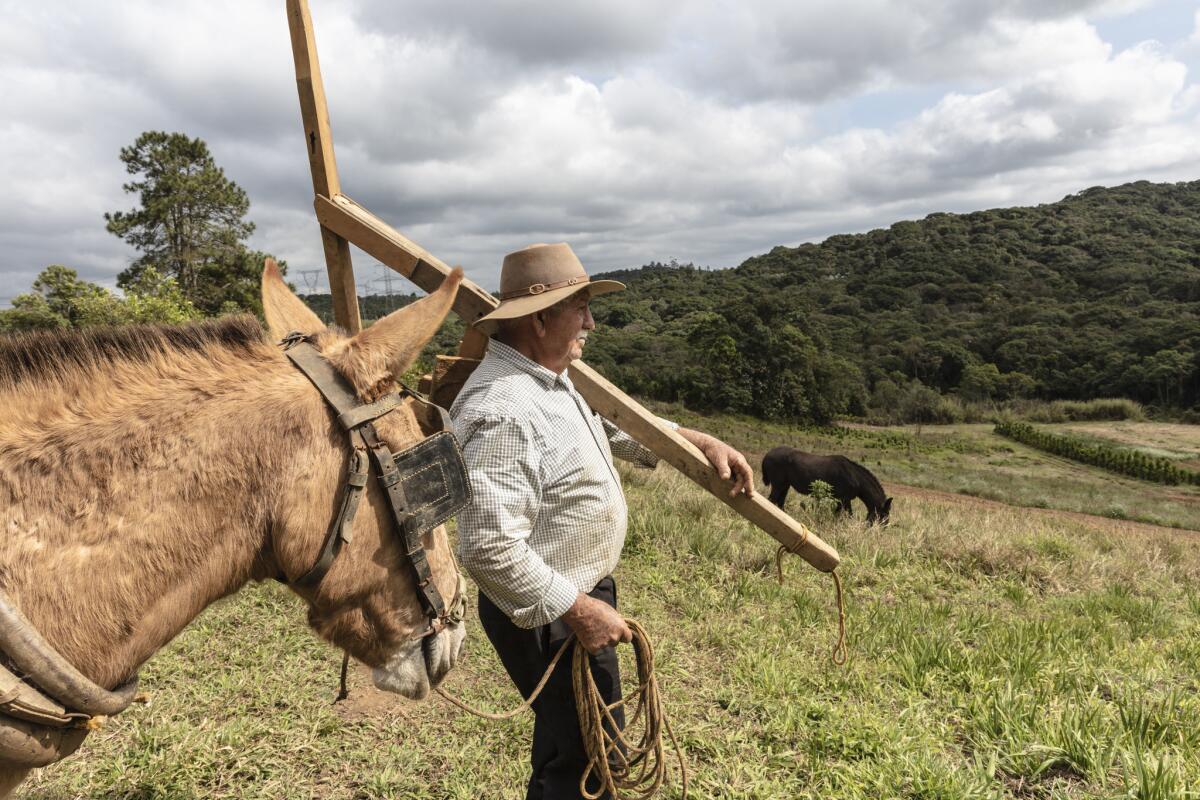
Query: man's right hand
<point x="597" y="625"/>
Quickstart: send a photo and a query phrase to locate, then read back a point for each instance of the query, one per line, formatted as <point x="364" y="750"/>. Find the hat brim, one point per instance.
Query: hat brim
<point x="520" y="306"/>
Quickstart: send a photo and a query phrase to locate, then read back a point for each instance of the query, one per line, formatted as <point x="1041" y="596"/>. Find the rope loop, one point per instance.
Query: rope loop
<point x="840" y="652"/>
<point x="624" y="770"/>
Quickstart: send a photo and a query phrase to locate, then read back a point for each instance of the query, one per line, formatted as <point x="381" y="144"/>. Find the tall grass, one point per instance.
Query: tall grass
<point x="1114" y="409"/>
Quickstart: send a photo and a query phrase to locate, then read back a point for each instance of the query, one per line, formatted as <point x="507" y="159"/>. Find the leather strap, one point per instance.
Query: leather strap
<point x="343" y="521"/>
<point x="357" y="419"/>
<point x="393" y="488"/>
<point x="357" y="416"/>
<point x="20" y="700"/>
<point x="336" y="390"/>
<point x="446" y="424"/>
<point x="539" y="288"/>
<point x="35" y="657"/>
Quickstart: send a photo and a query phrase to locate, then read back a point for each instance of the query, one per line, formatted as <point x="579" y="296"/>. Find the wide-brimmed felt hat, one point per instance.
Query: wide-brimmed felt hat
<point x="537" y="277"/>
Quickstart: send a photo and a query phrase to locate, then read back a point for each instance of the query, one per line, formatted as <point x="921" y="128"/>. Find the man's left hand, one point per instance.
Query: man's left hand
<point x="729" y="463"/>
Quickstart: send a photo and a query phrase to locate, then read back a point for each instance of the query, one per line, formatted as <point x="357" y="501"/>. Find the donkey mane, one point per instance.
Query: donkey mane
<point x="56" y="354"/>
<point x="867" y="476"/>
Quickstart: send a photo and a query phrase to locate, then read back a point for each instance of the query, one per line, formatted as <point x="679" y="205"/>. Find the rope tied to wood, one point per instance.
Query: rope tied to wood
<point x="840" y="652"/>
<point x="624" y="770"/>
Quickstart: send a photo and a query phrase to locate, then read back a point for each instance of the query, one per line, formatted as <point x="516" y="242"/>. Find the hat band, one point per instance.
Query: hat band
<point x="538" y="288"/>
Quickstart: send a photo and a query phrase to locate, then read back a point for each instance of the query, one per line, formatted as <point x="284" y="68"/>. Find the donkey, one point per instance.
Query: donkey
<point x="786" y="468"/>
<point x="148" y="471"/>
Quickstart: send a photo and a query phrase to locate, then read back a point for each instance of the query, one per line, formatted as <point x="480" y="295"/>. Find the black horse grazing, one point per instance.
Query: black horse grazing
<point x="788" y="468"/>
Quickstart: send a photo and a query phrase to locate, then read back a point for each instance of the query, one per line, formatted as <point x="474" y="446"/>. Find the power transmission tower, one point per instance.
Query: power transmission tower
<point x="312" y="279"/>
<point x="387" y="277"/>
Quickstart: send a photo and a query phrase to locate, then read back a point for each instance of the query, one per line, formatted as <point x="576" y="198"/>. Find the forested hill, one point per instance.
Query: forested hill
<point x="1097" y="295"/>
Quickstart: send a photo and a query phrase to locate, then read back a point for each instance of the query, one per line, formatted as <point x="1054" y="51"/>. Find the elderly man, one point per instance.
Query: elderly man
<point x="548" y="519"/>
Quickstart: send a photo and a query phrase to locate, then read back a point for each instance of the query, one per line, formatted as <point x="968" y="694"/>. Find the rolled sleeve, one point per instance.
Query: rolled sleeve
<point x="626" y="448"/>
<point x="494" y="531"/>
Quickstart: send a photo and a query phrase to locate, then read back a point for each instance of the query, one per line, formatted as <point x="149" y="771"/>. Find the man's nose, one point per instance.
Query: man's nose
<point x="588" y="322"/>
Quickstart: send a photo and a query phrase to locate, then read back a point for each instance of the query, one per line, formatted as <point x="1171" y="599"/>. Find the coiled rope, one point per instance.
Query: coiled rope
<point x="626" y="771"/>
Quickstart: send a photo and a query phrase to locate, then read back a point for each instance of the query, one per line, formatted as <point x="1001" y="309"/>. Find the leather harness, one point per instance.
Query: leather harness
<point x="424" y="485"/>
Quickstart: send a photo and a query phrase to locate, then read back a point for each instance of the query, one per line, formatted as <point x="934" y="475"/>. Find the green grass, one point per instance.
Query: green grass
<point x="993" y="654"/>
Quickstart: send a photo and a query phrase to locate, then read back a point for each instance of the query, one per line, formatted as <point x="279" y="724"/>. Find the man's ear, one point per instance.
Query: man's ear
<point x="284" y="311"/>
<point x="375" y="358"/>
<point x="539" y="322"/>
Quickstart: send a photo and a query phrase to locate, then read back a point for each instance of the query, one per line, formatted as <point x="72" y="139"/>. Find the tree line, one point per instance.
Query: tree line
<point x="1097" y="295"/>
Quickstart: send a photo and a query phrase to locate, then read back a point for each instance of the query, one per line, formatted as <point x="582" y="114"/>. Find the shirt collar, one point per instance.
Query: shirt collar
<point x="515" y="358"/>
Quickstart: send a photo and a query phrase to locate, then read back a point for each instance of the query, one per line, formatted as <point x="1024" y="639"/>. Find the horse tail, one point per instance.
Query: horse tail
<point x="773" y="470"/>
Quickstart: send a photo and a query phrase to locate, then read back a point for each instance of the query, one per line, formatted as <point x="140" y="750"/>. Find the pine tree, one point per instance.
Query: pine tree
<point x="190" y="225"/>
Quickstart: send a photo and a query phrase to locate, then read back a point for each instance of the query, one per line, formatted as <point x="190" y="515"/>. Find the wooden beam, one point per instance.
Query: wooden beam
<point x="315" y="115"/>
<point x="473" y="345"/>
<point x="626" y="413"/>
<point x="380" y="240"/>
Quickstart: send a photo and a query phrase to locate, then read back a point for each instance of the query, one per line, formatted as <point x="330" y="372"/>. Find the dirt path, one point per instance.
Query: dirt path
<point x="1100" y="523"/>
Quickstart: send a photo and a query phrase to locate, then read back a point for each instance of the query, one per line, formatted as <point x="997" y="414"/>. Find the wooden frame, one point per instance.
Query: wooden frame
<point x="343" y="221"/>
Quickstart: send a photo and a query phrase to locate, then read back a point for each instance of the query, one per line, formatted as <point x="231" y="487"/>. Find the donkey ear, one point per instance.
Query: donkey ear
<point x="373" y="359"/>
<point x="284" y="311"/>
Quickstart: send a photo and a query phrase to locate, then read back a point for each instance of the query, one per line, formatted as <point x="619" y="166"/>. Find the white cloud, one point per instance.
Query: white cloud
<point x="565" y="32"/>
<point x="636" y="130"/>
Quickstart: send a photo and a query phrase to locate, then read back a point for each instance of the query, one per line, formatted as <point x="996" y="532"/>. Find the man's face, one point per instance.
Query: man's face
<point x="566" y="328"/>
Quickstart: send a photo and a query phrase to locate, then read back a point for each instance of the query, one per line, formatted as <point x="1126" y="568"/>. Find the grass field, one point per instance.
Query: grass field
<point x="994" y="653"/>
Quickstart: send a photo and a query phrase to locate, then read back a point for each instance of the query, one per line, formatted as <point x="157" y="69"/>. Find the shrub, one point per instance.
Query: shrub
<point x="822" y="500"/>
<point x="1113" y="408"/>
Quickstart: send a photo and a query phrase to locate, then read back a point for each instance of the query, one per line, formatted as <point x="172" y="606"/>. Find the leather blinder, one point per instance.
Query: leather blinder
<point x="425" y="484"/>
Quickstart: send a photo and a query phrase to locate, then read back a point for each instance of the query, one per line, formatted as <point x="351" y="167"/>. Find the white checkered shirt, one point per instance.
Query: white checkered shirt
<point x="548" y="517"/>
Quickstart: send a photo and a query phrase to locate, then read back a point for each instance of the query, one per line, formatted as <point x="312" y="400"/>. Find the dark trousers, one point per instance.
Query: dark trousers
<point x="558" y="756"/>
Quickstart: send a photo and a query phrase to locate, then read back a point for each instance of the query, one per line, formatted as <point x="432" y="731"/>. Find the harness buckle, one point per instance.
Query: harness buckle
<point x="293" y="338"/>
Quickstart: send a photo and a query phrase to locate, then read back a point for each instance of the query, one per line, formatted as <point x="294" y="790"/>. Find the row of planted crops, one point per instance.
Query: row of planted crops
<point x="1110" y="457"/>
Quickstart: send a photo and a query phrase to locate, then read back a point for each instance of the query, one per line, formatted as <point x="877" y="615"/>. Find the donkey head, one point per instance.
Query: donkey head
<point x="880" y="516"/>
<point x="367" y="603"/>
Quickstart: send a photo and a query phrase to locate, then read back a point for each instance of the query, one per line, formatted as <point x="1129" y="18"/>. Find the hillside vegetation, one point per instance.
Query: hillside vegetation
<point x="1097" y="295"/>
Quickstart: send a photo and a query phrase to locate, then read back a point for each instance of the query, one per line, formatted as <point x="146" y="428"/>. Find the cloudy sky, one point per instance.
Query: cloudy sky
<point x="636" y="130"/>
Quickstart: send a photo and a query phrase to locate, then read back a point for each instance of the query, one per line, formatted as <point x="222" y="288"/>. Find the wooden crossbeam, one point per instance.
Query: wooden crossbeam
<point x="346" y="221"/>
<point x="375" y="237"/>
